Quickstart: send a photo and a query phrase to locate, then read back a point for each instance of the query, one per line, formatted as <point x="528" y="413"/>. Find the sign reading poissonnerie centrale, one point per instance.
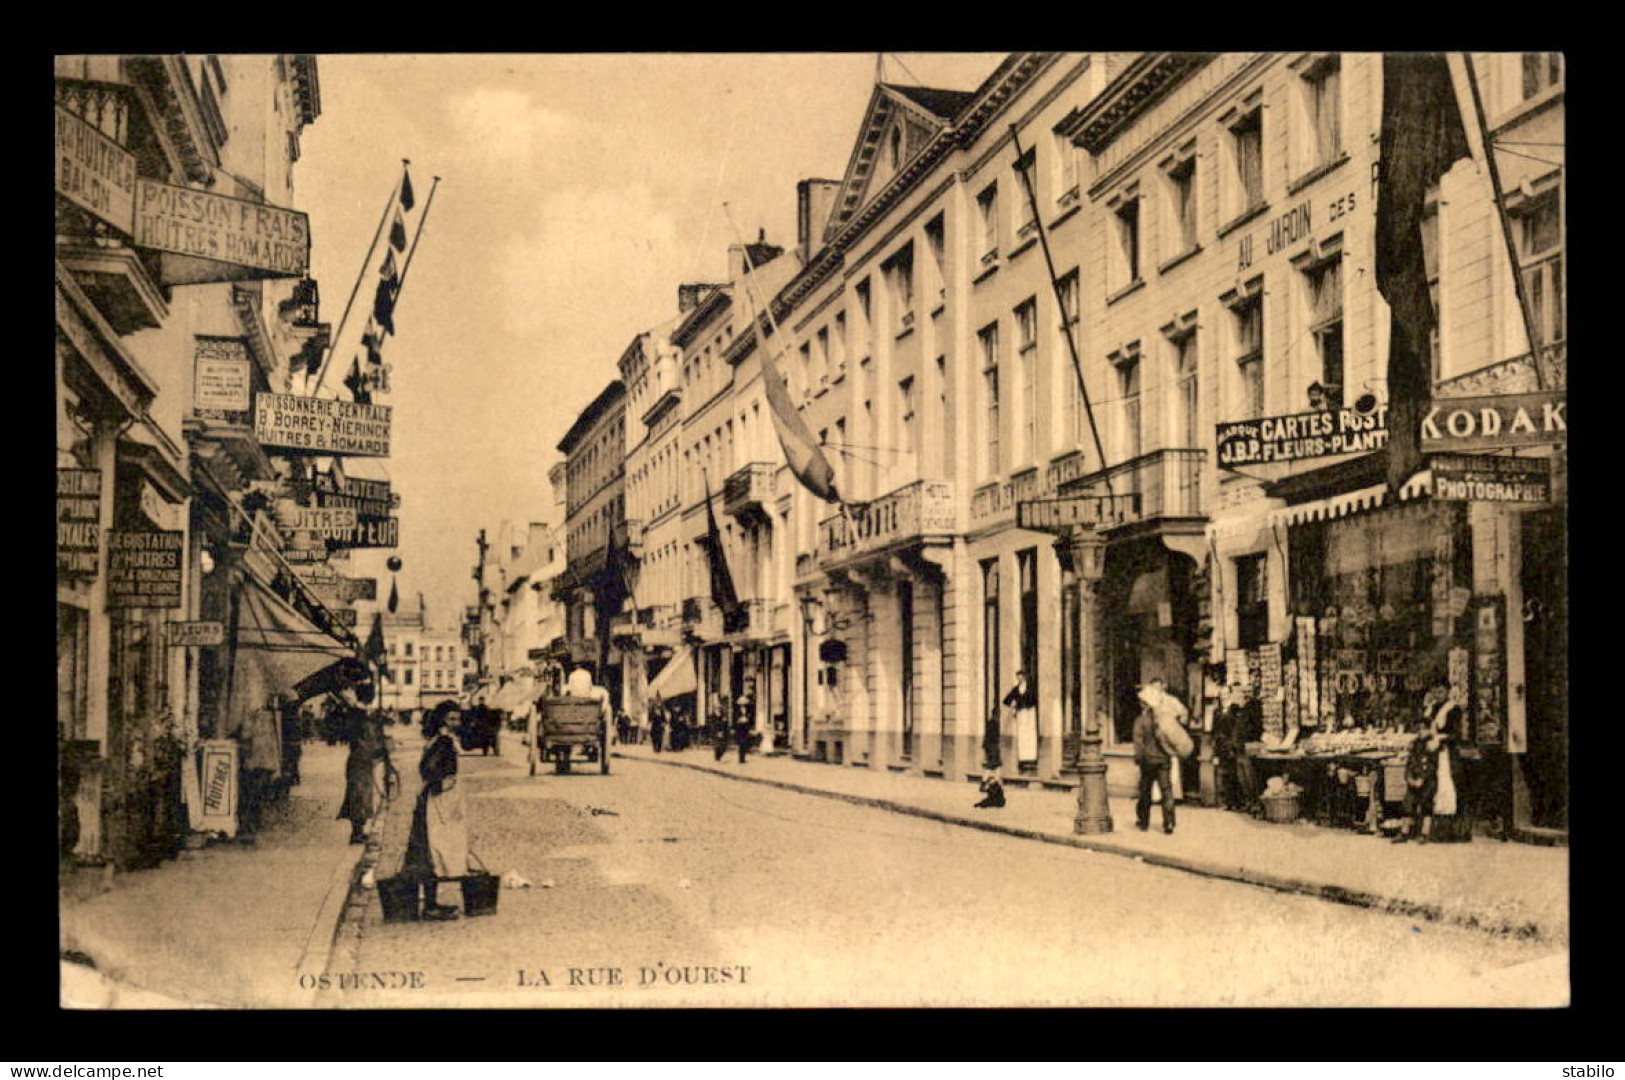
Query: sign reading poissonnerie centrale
<point x="1321" y="433"/>
<point x="322" y="425"/>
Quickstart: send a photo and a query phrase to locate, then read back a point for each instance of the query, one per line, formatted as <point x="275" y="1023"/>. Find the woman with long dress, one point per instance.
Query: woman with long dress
<point x="1023" y="699"/>
<point x="437" y="848"/>
<point x="367" y="769"/>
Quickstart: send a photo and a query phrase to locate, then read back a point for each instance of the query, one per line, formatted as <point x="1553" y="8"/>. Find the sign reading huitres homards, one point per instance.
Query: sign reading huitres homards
<point x="1302" y="435"/>
<point x="209" y="237"/>
<point x="322" y="425"/>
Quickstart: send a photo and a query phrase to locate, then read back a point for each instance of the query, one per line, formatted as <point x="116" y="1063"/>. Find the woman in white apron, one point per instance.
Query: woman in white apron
<point x="1024" y="700"/>
<point x="438" y="845"/>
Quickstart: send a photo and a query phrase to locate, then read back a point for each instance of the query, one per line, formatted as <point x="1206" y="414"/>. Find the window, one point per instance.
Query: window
<point x="1066" y="170"/>
<point x="840" y="341"/>
<point x="936" y="240"/>
<point x="408" y="648"/>
<point x="406" y="676"/>
<point x="1185" y="430"/>
<point x="1325" y="285"/>
<point x="1026" y="177"/>
<point x="1252" y="602"/>
<point x="905" y="405"/>
<point x="865" y="315"/>
<point x="1127" y="363"/>
<point x="1071" y="393"/>
<point x="1027" y="362"/>
<point x="987" y="211"/>
<point x="1538" y="232"/>
<point x="988" y="340"/>
<point x="1430" y="263"/>
<point x="990" y="638"/>
<point x="1027" y="582"/>
<point x="1248" y="310"/>
<point x="1541" y="71"/>
<point x="1126" y="253"/>
<point x="899" y="270"/>
<point x="1247" y="154"/>
<point x="1182" y="205"/>
<point x="1322" y="113"/>
<point x="896" y="148"/>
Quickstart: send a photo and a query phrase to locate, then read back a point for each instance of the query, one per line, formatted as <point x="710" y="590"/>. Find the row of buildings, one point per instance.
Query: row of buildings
<point x="1098" y="355"/>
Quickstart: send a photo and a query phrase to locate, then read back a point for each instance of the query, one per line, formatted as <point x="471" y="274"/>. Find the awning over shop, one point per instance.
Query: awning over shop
<point x="1353" y="502"/>
<point x="675" y="679"/>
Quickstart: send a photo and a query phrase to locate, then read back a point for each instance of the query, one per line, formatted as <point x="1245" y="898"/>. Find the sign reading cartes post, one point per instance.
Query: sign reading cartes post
<point x="94" y="172"/>
<point x="195" y="633"/>
<point x="1486" y="478"/>
<point x="1302" y="435"/>
<point x="144" y="568"/>
<point x="208" y="237"/>
<point x="78" y="521"/>
<point x="1484" y="423"/>
<point x="322" y="425"/>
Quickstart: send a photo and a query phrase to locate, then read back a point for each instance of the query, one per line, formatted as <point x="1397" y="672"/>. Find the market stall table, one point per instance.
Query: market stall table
<point x="1382" y="770"/>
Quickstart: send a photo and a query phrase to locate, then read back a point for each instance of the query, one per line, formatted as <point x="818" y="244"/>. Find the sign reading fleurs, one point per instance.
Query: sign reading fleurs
<point x="1302" y="435"/>
<point x="209" y="237"/>
<point x="322" y="425"/>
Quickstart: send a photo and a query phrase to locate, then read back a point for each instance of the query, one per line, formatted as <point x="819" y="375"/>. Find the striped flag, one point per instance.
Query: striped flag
<point x="801" y="452"/>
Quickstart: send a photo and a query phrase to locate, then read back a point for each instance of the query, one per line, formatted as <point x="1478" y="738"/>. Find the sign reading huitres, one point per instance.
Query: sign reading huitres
<point x="209" y="237"/>
<point x="322" y="425"/>
<point x="144" y="568"/>
<point x="94" y="172"/>
<point x="1302" y="435"/>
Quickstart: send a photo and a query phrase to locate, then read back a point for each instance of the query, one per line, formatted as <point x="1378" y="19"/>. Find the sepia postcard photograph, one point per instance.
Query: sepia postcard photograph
<point x="1069" y="529"/>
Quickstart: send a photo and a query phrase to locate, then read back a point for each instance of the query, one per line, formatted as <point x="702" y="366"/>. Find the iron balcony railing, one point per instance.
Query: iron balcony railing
<point x="1165" y="483"/>
<point x="749" y="489"/>
<point x="913" y="512"/>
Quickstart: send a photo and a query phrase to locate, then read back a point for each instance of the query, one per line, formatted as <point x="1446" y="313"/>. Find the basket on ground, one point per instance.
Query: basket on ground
<point x="480" y="890"/>
<point x="1281" y="809"/>
<point x="399" y="897"/>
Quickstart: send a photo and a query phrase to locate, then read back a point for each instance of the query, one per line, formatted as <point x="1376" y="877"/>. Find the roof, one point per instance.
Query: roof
<point x="590" y="415"/>
<point x="944" y="103"/>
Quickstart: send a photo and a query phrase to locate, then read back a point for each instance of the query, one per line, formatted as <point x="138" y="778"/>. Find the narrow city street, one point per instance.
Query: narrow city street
<point x="656" y="886"/>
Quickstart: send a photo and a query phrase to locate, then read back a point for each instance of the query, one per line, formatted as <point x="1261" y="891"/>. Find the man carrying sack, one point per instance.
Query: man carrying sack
<point x="1160" y="739"/>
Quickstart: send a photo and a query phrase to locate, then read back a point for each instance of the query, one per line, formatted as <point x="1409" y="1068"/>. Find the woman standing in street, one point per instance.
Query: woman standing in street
<point x="438" y="846"/>
<point x="1023" y="699"/>
<point x="367" y="770"/>
<point x="1433" y="775"/>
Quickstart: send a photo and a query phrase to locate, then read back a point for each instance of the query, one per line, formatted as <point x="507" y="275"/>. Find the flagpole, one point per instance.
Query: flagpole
<point x="1066" y="322"/>
<point x="366" y="262"/>
<point x="1518" y="285"/>
<point x="422" y="218"/>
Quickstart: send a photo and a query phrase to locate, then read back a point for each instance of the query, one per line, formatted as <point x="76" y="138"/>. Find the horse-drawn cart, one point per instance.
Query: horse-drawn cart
<point x="565" y="723"/>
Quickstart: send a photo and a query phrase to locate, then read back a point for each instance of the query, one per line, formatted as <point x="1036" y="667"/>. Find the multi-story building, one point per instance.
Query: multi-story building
<point x="592" y="587"/>
<point x="158" y="355"/>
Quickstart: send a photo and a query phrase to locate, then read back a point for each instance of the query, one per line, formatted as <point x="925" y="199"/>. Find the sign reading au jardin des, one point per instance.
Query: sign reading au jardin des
<point x="144" y="568"/>
<point x="208" y="237"/>
<point x="1320" y="433"/>
<point x="1486" y="478"/>
<point x="322" y="425"/>
<point x="78" y="525"/>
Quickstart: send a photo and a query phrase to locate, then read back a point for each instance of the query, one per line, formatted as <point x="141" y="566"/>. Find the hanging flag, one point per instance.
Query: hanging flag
<point x="406" y="190"/>
<point x="723" y="593"/>
<point x="383" y="306"/>
<point x="372" y="342"/>
<point x="397" y="233"/>
<point x="394" y="597"/>
<point x="357" y="384"/>
<point x="388" y="269"/>
<point x="1422" y="134"/>
<point x="373" y="650"/>
<point x="801" y="452"/>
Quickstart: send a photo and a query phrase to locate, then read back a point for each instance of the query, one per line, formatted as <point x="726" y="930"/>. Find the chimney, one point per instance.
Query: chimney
<point x="759" y="255"/>
<point x="815" y="199"/>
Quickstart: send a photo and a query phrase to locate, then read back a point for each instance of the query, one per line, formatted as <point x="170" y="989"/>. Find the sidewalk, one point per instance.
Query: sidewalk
<point x="1487" y="884"/>
<point x="229" y="925"/>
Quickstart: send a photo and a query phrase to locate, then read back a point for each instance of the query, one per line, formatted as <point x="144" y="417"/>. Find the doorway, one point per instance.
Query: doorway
<point x="1546" y="658"/>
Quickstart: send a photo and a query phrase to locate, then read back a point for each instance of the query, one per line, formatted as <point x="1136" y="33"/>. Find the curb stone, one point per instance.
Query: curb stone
<point x="1318" y="890"/>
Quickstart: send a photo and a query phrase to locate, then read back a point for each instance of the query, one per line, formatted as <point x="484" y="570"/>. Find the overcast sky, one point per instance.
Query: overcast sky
<point x="577" y="192"/>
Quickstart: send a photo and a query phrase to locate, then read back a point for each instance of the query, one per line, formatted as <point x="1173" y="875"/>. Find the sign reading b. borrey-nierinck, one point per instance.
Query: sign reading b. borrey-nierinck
<point x="236" y="238"/>
<point x="322" y="425"/>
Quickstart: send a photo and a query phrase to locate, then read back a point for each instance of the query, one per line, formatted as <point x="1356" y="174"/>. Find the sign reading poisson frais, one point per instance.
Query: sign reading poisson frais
<point x="322" y="425"/>
<point x="209" y="237"/>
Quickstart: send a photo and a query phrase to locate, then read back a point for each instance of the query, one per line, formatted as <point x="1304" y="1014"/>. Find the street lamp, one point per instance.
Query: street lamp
<point x="1085" y="552"/>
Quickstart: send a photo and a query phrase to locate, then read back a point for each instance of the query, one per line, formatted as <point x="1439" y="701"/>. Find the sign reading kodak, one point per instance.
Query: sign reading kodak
<point x="1480" y="423"/>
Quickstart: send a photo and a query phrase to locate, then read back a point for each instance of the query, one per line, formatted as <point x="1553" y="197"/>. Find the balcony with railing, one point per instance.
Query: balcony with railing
<point x="995" y="503"/>
<point x="749" y="490"/>
<point x="914" y="513"/>
<point x="1164" y="483"/>
<point x="1516" y="375"/>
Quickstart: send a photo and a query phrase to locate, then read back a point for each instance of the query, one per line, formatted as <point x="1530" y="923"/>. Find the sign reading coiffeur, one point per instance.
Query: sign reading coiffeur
<point x="219" y="238"/>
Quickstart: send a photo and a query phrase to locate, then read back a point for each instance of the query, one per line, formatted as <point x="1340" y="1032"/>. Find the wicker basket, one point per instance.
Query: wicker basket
<point x="1281" y="809"/>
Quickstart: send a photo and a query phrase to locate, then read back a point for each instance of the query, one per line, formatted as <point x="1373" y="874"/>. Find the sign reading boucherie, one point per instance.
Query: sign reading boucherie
<point x="219" y="238"/>
<point x="1090" y="511"/>
<point x="1302" y="435"/>
<point x="1482" y="478"/>
<point x="321" y="425"/>
<point x="144" y="568"/>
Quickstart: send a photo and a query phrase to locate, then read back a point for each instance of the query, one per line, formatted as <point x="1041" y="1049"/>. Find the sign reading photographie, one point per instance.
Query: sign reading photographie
<point x="1486" y="478"/>
<point x="1484" y="423"/>
<point x="78" y="525"/>
<point x="322" y="425"/>
<point x="208" y="237"/>
<point x="1302" y="435"/>
<point x="94" y="172"/>
<point x="144" y="568"/>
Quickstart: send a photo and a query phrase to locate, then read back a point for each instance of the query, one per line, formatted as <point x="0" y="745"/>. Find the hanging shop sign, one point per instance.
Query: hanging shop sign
<point x="369" y="498"/>
<point x="1320" y="433"/>
<point x="1485" y="423"/>
<point x="207" y="237"/>
<point x="369" y="533"/>
<point x="78" y="522"/>
<point x="343" y="590"/>
<point x="222" y="379"/>
<point x="217" y="782"/>
<point x="93" y="172"/>
<point x="195" y="633"/>
<point x="321" y="425"/>
<point x="1487" y="478"/>
<point x="144" y="568"/>
<point x="322" y="522"/>
<point x="1075" y="511"/>
<point x="345" y="617"/>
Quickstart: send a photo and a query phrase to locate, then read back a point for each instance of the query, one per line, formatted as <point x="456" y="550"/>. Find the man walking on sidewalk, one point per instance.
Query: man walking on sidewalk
<point x="1156" y="766"/>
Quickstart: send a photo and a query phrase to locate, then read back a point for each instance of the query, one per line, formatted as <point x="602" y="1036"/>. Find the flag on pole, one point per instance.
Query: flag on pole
<point x="383" y="306"/>
<point x="388" y="268"/>
<point x="723" y="593"/>
<point x="801" y="452"/>
<point x="371" y="341"/>
<point x="406" y="189"/>
<point x="397" y="233"/>
<point x="394" y="597"/>
<point x="373" y="650"/>
<point x="1422" y="135"/>
<point x="357" y="384"/>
